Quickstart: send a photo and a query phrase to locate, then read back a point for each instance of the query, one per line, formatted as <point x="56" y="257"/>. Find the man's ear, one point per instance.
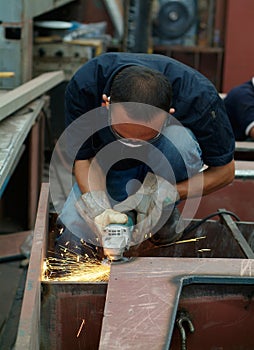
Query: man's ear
<point x="106" y="100"/>
<point x="172" y="110"/>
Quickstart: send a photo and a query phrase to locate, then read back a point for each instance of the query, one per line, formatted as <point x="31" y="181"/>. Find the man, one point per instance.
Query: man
<point x="158" y="158"/>
<point x="239" y="104"/>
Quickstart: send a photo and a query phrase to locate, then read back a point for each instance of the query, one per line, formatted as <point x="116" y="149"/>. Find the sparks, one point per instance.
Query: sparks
<point x="80" y="328"/>
<point x="189" y="240"/>
<point x="73" y="267"/>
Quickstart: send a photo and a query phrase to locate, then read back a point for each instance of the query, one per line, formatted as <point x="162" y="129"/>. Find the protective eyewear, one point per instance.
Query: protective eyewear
<point x="133" y="142"/>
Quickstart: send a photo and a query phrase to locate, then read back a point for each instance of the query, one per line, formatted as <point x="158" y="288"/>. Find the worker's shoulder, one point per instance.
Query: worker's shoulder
<point x="132" y="57"/>
<point x="243" y="90"/>
<point x="109" y="62"/>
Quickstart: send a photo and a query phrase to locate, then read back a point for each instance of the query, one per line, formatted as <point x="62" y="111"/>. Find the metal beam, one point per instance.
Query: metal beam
<point x="27" y="337"/>
<point x="237" y="234"/>
<point x="17" y="98"/>
<point x="116" y="16"/>
<point x="13" y="132"/>
<point x="244" y="146"/>
<point x="143" y="296"/>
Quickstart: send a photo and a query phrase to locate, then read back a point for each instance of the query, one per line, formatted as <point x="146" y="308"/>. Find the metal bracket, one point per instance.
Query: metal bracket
<point x="237" y="234"/>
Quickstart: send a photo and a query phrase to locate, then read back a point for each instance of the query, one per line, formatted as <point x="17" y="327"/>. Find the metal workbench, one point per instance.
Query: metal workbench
<point x="22" y="116"/>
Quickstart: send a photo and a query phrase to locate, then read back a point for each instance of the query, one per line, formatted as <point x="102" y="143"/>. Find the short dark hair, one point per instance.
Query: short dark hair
<point x="142" y="85"/>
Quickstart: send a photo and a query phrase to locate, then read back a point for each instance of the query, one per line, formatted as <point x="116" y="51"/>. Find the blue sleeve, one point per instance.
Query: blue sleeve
<point x="240" y="108"/>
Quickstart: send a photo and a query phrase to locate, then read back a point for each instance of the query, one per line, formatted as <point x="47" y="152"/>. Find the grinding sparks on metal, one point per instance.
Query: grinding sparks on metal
<point x="73" y="267"/>
<point x="80" y="328"/>
<point x="204" y="250"/>
<point x="189" y="240"/>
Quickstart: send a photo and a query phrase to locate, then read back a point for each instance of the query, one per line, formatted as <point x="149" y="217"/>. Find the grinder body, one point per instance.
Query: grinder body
<point x="117" y="239"/>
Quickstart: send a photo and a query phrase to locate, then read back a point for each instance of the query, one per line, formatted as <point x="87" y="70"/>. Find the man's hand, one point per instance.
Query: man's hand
<point x="110" y="216"/>
<point x="94" y="207"/>
<point x="155" y="194"/>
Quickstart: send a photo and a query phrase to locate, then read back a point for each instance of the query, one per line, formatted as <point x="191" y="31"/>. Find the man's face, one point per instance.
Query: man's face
<point x="129" y="128"/>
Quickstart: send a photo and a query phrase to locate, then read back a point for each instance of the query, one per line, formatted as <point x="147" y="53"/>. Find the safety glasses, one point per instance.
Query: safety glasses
<point x="133" y="142"/>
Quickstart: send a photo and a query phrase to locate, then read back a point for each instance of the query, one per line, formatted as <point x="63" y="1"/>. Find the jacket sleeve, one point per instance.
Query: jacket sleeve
<point x="240" y="107"/>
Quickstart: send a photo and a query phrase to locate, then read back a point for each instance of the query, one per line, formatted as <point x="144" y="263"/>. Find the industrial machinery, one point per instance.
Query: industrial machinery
<point x="176" y="22"/>
<point x="16" y="34"/>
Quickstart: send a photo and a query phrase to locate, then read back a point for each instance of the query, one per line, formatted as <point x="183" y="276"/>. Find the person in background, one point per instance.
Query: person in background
<point x="239" y="104"/>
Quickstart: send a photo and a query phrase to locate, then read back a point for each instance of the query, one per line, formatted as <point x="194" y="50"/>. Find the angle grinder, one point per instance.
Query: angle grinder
<point x="117" y="239"/>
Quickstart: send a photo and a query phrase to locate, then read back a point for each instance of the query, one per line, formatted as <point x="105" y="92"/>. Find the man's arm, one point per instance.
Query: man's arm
<point x="252" y="133"/>
<point x="210" y="180"/>
<point x="89" y="176"/>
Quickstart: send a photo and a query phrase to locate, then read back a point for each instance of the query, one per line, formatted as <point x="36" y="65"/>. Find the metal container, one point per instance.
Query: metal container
<point x="206" y="281"/>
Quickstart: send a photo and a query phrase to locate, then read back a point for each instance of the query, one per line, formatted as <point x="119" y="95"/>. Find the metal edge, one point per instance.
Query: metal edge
<point x="17" y="98"/>
<point x="28" y="329"/>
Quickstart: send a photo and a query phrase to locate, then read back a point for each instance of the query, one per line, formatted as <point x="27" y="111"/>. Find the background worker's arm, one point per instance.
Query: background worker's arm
<point x="210" y="180"/>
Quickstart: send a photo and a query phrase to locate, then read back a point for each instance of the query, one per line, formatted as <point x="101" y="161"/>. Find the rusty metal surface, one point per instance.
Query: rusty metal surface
<point x="238" y="236"/>
<point x="67" y="306"/>
<point x="28" y="330"/>
<point x="143" y="297"/>
<point x="211" y="239"/>
<point x="222" y="317"/>
<point x="10" y="244"/>
<point x="236" y="197"/>
<point x="36" y="161"/>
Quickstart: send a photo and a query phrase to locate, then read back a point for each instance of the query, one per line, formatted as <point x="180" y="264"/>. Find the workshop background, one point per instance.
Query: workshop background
<point x="42" y="44"/>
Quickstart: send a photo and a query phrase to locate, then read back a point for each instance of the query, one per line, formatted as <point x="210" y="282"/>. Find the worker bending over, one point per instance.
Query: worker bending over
<point x="161" y="122"/>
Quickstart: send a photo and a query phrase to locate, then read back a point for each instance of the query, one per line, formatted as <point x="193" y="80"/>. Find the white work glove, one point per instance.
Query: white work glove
<point x="94" y="207"/>
<point x="155" y="194"/>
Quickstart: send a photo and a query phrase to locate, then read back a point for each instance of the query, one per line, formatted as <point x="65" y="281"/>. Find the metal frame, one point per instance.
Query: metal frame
<point x="143" y="296"/>
<point x="11" y="153"/>
<point x="28" y="331"/>
<point x="22" y="118"/>
<point x="13" y="100"/>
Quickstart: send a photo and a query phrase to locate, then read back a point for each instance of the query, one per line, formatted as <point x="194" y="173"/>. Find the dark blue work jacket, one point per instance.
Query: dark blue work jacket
<point x="240" y="108"/>
<point x="195" y="99"/>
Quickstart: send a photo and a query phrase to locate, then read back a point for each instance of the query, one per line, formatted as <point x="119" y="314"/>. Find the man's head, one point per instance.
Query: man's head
<point x="143" y="85"/>
<point x="140" y="100"/>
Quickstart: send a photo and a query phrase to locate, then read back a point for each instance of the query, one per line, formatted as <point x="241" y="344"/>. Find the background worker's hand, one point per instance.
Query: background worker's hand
<point x="94" y="207"/>
<point x="155" y="194"/>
